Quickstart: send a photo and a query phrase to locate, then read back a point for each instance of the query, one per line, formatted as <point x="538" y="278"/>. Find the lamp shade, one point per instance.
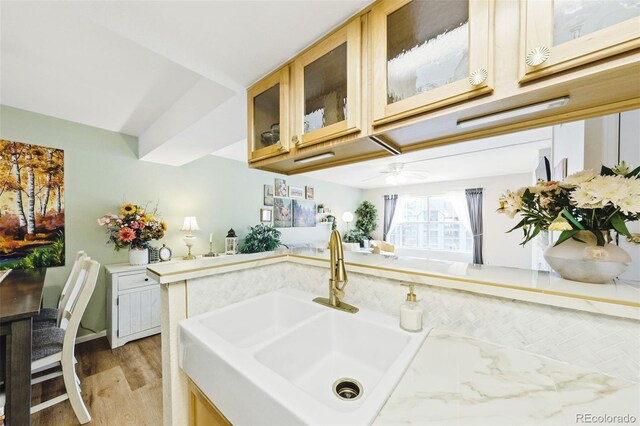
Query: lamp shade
<point x="347" y="217"/>
<point x="190" y="224"/>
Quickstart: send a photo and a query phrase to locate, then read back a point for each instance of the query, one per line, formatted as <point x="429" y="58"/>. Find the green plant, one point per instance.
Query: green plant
<point x="354" y="236"/>
<point x="261" y="238"/>
<point x="367" y="216"/>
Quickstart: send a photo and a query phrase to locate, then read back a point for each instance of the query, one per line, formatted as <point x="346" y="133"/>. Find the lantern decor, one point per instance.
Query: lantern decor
<point x="231" y="243"/>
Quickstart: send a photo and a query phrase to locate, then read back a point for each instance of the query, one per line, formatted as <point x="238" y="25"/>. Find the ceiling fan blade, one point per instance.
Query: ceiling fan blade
<point x="371" y="178"/>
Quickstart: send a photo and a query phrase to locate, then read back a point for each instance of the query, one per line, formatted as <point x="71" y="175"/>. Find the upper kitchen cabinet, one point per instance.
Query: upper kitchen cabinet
<point x="268" y="116"/>
<point x="428" y="54"/>
<point x="327" y="88"/>
<point x="563" y="34"/>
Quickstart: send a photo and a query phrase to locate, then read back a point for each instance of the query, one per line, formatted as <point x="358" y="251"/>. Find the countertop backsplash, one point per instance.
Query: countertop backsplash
<point x="597" y="342"/>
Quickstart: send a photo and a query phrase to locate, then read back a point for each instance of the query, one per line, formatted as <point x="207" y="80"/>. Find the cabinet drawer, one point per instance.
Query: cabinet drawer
<point x="126" y="282"/>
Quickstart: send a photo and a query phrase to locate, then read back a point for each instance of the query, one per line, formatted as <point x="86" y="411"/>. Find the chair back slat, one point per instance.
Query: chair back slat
<point x="76" y="288"/>
<point x="75" y="309"/>
<point x="69" y="284"/>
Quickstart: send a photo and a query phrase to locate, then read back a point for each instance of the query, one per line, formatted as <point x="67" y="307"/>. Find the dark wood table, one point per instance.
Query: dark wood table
<point x="20" y="297"/>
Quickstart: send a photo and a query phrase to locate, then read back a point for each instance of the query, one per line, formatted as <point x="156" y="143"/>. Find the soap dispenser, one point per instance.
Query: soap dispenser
<point x="411" y="313"/>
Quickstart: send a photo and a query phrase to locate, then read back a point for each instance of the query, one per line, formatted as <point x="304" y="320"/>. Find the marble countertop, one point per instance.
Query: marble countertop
<point x="620" y="298"/>
<point x="458" y="380"/>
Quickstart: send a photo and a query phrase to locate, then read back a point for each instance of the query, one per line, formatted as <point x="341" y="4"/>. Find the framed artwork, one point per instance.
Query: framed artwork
<point x="296" y="192"/>
<point x="304" y="213"/>
<point x="282" y="217"/>
<point x="268" y="195"/>
<point x="32" y="200"/>
<point x="280" y="189"/>
<point x="266" y="215"/>
<point x="309" y="192"/>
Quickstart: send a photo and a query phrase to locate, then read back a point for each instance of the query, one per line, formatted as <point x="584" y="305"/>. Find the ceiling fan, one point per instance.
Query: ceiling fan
<point x="395" y="174"/>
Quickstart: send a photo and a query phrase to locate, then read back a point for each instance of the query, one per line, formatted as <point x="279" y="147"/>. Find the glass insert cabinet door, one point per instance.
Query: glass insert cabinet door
<point x="428" y="54"/>
<point x="563" y="34"/>
<point x="327" y="88"/>
<point x="268" y="116"/>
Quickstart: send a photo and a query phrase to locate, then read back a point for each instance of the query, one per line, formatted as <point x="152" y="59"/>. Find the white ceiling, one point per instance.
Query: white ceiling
<point x="173" y="73"/>
<point x="496" y="156"/>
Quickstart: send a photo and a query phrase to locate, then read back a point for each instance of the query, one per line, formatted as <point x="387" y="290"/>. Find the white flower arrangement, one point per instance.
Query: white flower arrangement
<point x="583" y="201"/>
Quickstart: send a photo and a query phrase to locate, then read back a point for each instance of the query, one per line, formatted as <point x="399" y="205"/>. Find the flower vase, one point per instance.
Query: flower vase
<point x="585" y="261"/>
<point x="138" y="256"/>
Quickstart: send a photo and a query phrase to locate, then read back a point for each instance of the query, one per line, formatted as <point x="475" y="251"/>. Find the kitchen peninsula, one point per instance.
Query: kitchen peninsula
<point x="547" y="316"/>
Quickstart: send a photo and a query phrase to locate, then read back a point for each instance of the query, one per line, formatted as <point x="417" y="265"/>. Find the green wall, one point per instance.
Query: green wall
<point x="102" y="171"/>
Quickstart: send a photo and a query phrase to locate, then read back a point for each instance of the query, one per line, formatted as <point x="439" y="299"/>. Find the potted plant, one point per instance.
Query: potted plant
<point x="133" y="228"/>
<point x="261" y="238"/>
<point x="585" y="207"/>
<point x="366" y="223"/>
<point x="353" y="239"/>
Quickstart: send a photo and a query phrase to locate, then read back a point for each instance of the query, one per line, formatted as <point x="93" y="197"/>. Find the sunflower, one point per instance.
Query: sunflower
<point x="163" y="225"/>
<point x="128" y="208"/>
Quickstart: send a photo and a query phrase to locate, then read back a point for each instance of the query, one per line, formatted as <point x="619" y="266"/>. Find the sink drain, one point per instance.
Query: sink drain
<point x="347" y="389"/>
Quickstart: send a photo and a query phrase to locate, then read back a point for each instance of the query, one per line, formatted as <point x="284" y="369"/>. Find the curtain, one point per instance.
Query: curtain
<point x="390" y="202"/>
<point x="459" y="201"/>
<point x="474" y="204"/>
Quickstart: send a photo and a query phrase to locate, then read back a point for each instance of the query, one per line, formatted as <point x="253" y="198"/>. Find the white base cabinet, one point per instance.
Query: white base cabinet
<point x="133" y="304"/>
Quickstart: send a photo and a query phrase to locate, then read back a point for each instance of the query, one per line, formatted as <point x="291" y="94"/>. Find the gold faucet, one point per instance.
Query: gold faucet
<point x="338" y="279"/>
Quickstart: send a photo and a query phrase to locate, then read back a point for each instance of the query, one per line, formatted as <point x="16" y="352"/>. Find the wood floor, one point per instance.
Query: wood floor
<point x="120" y="387"/>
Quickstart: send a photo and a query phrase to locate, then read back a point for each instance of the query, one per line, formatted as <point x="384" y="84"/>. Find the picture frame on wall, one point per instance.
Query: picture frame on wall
<point x="304" y="213"/>
<point x="282" y="214"/>
<point x="266" y="215"/>
<point x="43" y="226"/>
<point x="268" y="195"/>
<point x="296" y="192"/>
<point x="280" y="189"/>
<point x="309" y="192"/>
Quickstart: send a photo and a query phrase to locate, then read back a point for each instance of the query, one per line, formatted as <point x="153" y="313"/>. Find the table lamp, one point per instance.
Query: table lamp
<point x="347" y="217"/>
<point x="190" y="224"/>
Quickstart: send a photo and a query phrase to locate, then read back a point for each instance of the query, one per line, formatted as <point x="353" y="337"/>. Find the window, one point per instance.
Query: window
<point x="430" y="223"/>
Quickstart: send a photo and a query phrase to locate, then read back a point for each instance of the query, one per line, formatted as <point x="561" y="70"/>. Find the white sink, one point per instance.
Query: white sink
<point x="258" y="319"/>
<point x="274" y="359"/>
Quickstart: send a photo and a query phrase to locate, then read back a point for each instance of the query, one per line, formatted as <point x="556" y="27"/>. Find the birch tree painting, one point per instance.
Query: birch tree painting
<point x="31" y="206"/>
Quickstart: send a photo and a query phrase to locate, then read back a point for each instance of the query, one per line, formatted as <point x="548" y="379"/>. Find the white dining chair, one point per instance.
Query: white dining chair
<point x="50" y="317"/>
<point x="55" y="346"/>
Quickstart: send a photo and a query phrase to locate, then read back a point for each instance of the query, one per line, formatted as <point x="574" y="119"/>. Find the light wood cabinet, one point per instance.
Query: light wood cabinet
<point x="202" y="412"/>
<point x="328" y="88"/>
<point x="133" y="304"/>
<point x="428" y="54"/>
<point x="558" y="35"/>
<point x="268" y="116"/>
<point x="404" y="75"/>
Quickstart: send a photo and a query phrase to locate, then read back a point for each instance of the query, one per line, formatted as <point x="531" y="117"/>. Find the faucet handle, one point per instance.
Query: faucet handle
<point x="338" y="293"/>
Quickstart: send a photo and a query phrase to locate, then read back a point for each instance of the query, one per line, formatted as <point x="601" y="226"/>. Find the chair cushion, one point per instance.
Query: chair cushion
<point x="46" y="341"/>
<point x="38" y="325"/>
<point x="47" y="314"/>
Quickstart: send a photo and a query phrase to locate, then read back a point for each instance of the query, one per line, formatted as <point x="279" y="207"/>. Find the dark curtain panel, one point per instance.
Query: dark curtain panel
<point x="390" y="202"/>
<point x="474" y="204"/>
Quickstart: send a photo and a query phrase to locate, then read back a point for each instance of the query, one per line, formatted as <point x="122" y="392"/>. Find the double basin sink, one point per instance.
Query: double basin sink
<point x="280" y="359"/>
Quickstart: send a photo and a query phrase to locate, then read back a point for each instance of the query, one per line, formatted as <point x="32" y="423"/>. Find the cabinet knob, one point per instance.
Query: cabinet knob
<point x="478" y="77"/>
<point x="295" y="139"/>
<point x="538" y="55"/>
